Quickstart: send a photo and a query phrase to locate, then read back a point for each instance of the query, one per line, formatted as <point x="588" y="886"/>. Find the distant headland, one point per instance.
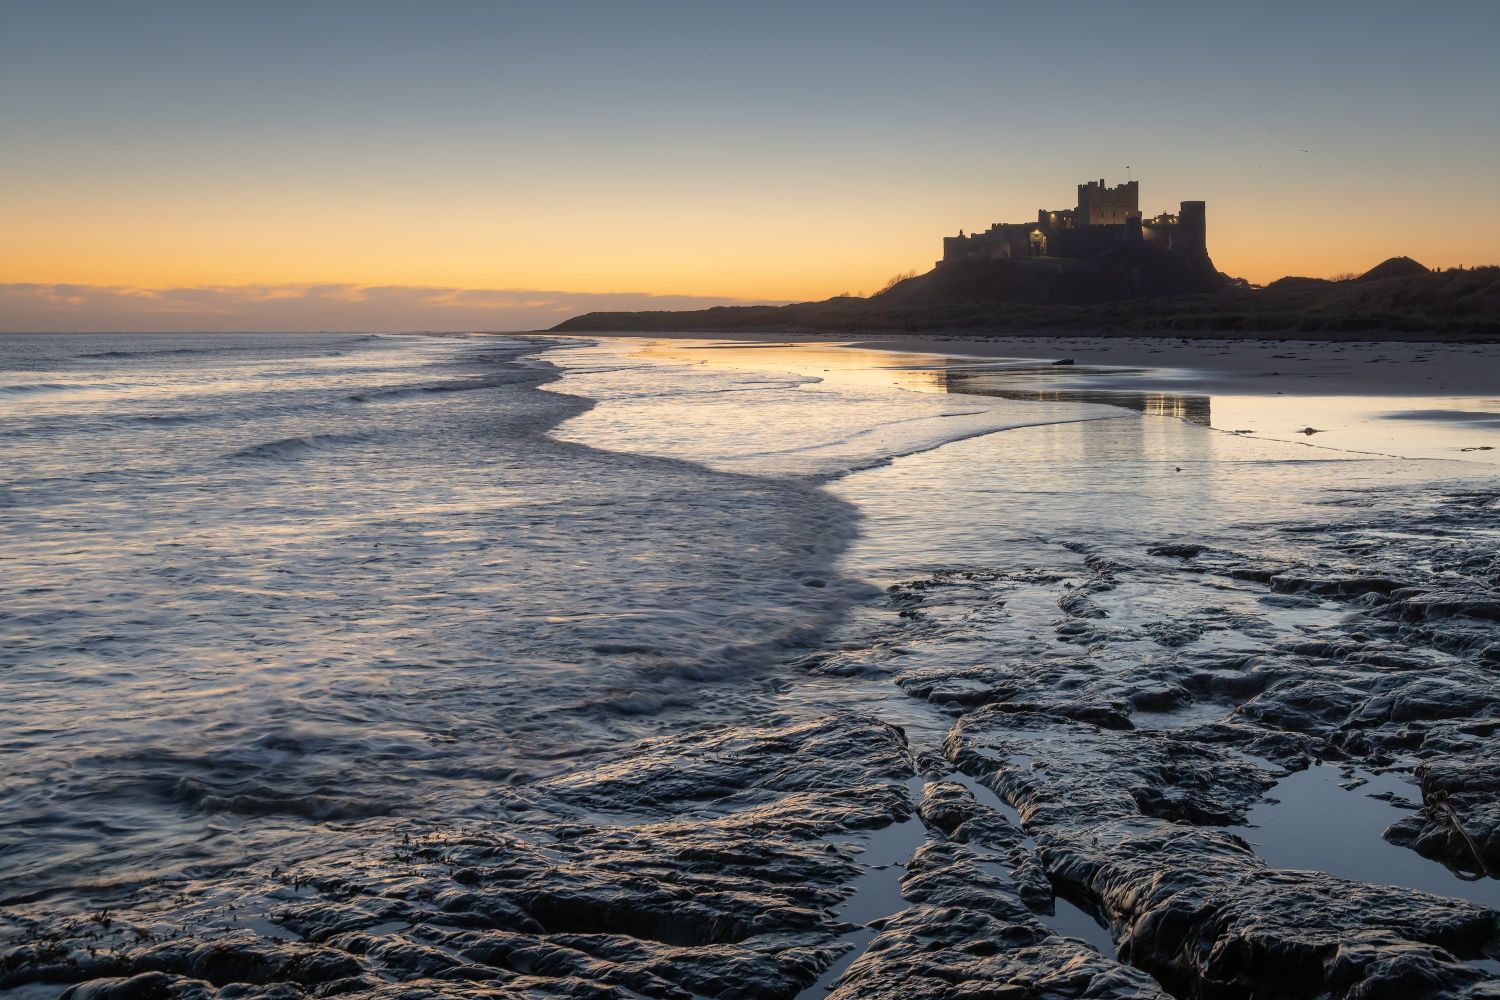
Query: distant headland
<point x="1103" y="267"/>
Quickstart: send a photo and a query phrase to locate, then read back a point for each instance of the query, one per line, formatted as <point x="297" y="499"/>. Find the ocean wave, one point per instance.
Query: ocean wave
<point x="37" y="388"/>
<point x="918" y="449"/>
<point x="416" y="391"/>
<point x="168" y="352"/>
<point x="292" y="448"/>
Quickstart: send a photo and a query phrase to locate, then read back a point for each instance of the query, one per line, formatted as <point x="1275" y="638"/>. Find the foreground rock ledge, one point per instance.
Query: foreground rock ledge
<point x="719" y="871"/>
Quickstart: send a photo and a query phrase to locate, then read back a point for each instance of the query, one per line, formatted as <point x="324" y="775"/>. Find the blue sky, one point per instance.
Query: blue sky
<point x="733" y="151"/>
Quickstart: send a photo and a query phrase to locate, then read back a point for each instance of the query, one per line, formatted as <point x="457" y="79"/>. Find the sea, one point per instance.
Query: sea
<point x="264" y="598"/>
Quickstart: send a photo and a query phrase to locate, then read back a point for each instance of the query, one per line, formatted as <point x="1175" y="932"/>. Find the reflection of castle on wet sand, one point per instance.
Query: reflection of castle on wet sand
<point x="1008" y="384"/>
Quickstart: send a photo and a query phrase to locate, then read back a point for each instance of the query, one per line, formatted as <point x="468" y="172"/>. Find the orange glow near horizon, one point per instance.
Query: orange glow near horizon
<point x="779" y="245"/>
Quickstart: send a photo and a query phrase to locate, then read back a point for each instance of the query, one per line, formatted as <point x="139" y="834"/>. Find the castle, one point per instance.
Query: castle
<point x="1106" y="218"/>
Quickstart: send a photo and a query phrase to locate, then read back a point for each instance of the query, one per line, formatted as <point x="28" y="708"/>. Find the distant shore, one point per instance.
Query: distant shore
<point x="1451" y="306"/>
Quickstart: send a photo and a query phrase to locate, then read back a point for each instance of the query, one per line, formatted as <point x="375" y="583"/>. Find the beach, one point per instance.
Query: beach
<point x="605" y="667"/>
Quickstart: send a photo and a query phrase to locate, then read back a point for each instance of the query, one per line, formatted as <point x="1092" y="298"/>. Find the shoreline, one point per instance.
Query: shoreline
<point x="1219" y="363"/>
<point x="988" y="334"/>
<point x="1403" y="401"/>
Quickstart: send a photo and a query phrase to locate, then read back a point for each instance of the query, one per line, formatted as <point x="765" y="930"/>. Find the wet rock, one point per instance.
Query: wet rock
<point x="950" y="809"/>
<point x="724" y="881"/>
<point x="951" y="953"/>
<point x="1050" y="770"/>
<point x="1067" y="688"/>
<point x="1077" y="604"/>
<point x="317" y="922"/>
<point x="1178" y="550"/>
<point x="943" y="874"/>
<point x="1316" y="706"/>
<point x="671" y="773"/>
<point x="1461" y="824"/>
<point x="946" y="806"/>
<point x="1118" y="821"/>
<point x="248" y="961"/>
<point x="1210" y="920"/>
<point x="721" y="863"/>
<point x="1384" y="967"/>
<point x="146" y="986"/>
<point x="1158" y="696"/>
<point x="972" y="931"/>
<point x="1336" y="586"/>
<point x="1421" y="606"/>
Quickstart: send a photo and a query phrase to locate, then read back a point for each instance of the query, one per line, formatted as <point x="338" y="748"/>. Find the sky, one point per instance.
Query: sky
<point x="495" y="165"/>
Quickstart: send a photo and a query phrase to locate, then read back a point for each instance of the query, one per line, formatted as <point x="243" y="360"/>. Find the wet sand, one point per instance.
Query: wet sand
<point x="1437" y="401"/>
<point x="1303" y="367"/>
<point x="1264" y="367"/>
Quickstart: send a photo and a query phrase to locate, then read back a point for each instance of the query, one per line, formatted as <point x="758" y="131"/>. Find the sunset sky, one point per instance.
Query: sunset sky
<point x="499" y="165"/>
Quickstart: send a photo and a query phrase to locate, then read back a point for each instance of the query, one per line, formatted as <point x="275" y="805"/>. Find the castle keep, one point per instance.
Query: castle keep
<point x="1106" y="218"/>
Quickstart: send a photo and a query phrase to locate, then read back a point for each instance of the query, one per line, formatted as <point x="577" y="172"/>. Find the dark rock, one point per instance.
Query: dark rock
<point x="1196" y="907"/>
<point x="1076" y="603"/>
<point x="1178" y="550"/>
<point x="146" y="986"/>
<point x="1461" y="824"/>
<point x="745" y="842"/>
<point x="951" y="809"/>
<point x="950" y="953"/>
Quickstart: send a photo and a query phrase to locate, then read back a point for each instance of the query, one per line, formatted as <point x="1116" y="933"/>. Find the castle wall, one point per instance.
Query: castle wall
<point x="1089" y="241"/>
<point x="1157" y="231"/>
<point x="1050" y="221"/>
<point x="1002" y="241"/>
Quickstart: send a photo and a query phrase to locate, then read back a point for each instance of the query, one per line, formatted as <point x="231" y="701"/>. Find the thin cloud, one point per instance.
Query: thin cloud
<point x="56" y="308"/>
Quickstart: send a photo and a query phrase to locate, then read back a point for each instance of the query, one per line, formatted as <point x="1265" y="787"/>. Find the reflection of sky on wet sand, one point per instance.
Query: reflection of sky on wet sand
<point x="1456" y="427"/>
<point x="1013" y="384"/>
<point x="1365" y="423"/>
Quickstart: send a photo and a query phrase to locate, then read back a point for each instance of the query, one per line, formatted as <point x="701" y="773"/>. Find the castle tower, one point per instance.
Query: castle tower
<point x="1099" y="205"/>
<point x="1191" y="235"/>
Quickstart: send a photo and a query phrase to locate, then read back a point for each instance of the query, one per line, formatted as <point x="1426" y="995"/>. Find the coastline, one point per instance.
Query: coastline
<point x="981" y="334"/>
<point x="1457" y="305"/>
